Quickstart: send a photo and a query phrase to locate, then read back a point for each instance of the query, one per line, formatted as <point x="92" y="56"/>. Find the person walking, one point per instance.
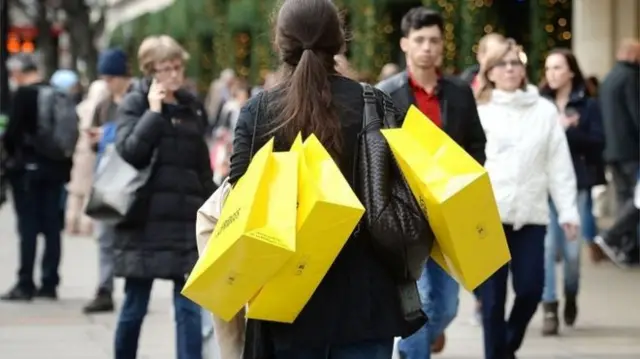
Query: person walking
<point x="449" y="103"/>
<point x="355" y="313"/>
<point x="159" y="124"/>
<point x="528" y="158"/>
<point x="620" y="100"/>
<point x="36" y="174"/>
<point x="581" y="119"/>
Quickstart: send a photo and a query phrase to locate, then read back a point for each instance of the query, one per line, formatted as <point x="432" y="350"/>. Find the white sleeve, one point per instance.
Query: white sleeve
<point x="561" y="174"/>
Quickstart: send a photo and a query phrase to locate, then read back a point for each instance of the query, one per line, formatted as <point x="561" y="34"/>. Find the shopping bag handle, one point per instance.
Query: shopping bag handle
<point x="261" y="96"/>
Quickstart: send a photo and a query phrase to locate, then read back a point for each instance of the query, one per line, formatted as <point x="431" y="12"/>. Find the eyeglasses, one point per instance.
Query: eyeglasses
<point x="513" y="63"/>
<point x="170" y="69"/>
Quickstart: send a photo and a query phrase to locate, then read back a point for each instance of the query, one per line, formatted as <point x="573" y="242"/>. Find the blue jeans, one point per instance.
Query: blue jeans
<point x="555" y="241"/>
<point x="439" y="295"/>
<point x="587" y="220"/>
<point x="188" y="319"/>
<point x="503" y="338"/>
<point x="375" y="349"/>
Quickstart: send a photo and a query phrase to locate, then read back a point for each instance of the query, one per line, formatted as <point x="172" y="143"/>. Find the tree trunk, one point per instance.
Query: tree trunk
<point x="82" y="34"/>
<point x="45" y="42"/>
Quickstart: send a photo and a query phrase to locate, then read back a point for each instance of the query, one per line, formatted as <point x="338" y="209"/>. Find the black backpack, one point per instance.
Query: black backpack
<point x="57" y="132"/>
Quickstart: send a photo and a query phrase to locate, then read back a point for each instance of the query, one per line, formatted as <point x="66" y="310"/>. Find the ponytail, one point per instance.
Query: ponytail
<point x="306" y="103"/>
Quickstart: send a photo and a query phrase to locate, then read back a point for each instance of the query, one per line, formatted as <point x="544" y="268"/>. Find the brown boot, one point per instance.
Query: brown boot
<point x="550" y="322"/>
<point x="438" y="345"/>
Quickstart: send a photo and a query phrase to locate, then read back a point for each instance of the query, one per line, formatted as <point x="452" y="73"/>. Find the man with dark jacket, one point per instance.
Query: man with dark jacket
<point x="620" y="103"/>
<point x="36" y="182"/>
<point x="450" y="104"/>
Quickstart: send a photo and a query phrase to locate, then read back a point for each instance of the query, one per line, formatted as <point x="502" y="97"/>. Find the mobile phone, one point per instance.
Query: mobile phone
<point x="571" y="112"/>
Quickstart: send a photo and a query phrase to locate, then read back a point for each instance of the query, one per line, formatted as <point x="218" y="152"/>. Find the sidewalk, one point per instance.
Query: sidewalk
<point x="608" y="326"/>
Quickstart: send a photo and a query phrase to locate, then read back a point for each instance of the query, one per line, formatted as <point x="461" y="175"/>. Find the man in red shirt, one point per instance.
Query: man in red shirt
<point x="449" y="103"/>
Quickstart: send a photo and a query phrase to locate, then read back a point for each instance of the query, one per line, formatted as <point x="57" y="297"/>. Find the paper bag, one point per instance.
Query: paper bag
<point x="328" y="211"/>
<point x="455" y="194"/>
<point x="253" y="239"/>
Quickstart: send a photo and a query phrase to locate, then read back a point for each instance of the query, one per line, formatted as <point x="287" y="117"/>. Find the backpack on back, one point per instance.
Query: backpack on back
<point x="57" y="132"/>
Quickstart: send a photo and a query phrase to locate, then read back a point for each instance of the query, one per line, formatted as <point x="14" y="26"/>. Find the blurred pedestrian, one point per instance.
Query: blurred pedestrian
<point x="387" y="71"/>
<point x="113" y="69"/>
<point x="486" y="42"/>
<point x="76" y="222"/>
<point x="581" y="119"/>
<point x="38" y="166"/>
<point x="620" y="100"/>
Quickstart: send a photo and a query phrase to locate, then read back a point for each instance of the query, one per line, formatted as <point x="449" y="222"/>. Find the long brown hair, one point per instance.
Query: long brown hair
<point x="492" y="57"/>
<point x="309" y="34"/>
<point x="577" y="83"/>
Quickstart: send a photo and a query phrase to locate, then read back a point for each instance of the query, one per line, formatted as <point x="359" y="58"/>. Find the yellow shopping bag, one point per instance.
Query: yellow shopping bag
<point x="328" y="211"/>
<point x="254" y="237"/>
<point x="455" y="193"/>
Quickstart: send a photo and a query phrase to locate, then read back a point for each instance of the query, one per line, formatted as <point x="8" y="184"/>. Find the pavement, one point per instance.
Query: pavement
<point x="608" y="325"/>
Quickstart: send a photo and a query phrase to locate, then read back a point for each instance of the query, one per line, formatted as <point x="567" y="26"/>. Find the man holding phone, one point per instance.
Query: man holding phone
<point x="114" y="70"/>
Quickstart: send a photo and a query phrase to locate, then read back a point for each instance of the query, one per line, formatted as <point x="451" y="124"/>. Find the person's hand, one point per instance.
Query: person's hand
<point x="95" y="134"/>
<point x="570" y="231"/>
<point x="569" y="121"/>
<point x="156" y="95"/>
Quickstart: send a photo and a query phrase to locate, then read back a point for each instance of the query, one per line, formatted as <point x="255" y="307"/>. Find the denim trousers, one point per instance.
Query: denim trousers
<point x="374" y="349"/>
<point x="502" y="338"/>
<point x="188" y="321"/>
<point x="556" y="242"/>
<point x="106" y="238"/>
<point x="439" y="296"/>
<point x="37" y="202"/>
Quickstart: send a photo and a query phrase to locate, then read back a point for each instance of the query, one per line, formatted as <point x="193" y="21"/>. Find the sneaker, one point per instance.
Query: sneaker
<point x="618" y="257"/>
<point x="550" y="323"/>
<point x="102" y="303"/>
<point x="46" y="293"/>
<point x="17" y="294"/>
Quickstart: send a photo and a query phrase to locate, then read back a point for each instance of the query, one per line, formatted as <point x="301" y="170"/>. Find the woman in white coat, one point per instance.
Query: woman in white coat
<point x="528" y="159"/>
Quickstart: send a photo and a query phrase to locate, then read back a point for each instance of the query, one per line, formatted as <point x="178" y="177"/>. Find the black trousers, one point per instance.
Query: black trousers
<point x="623" y="233"/>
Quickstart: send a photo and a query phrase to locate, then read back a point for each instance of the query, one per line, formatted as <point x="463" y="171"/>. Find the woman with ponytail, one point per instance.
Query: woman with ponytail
<point x="355" y="312"/>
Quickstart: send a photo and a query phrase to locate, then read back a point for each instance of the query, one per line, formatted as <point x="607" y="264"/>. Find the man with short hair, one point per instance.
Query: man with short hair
<point x="449" y="103"/>
<point x="36" y="183"/>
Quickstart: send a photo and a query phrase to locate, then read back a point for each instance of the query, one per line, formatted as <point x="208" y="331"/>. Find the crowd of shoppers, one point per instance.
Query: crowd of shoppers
<point x="545" y="148"/>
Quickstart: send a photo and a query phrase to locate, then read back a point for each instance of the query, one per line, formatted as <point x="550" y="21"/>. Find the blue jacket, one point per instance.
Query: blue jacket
<point x="586" y="140"/>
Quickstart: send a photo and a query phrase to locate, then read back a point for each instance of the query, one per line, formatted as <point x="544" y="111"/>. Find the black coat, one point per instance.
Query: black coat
<point x="586" y="140"/>
<point x="620" y="102"/>
<point x="357" y="300"/>
<point x="160" y="241"/>
<point x="458" y="110"/>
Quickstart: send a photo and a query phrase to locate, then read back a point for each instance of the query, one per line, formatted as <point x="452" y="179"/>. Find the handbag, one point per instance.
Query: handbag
<point x="401" y="235"/>
<point x="115" y="188"/>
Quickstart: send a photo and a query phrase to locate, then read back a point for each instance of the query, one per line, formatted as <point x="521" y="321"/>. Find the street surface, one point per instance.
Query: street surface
<point x="608" y="326"/>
